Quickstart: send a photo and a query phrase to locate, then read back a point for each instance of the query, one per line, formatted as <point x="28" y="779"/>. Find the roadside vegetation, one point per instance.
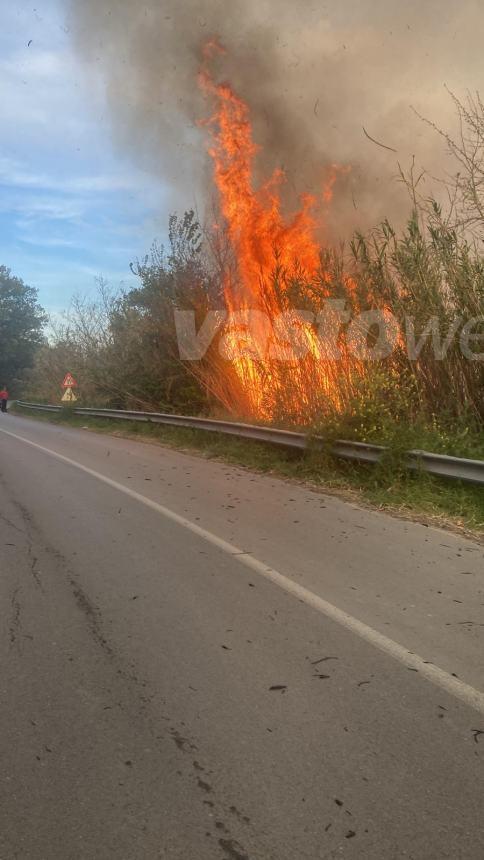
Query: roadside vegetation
<point x="21" y="329"/>
<point x="122" y="347"/>
<point x="430" y="277"/>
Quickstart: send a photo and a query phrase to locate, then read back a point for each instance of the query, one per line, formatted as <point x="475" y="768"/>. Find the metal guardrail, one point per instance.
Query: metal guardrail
<point x="442" y="465"/>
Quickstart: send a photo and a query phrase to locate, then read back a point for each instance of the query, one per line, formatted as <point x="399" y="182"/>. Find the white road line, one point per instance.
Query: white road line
<point x="467" y="694"/>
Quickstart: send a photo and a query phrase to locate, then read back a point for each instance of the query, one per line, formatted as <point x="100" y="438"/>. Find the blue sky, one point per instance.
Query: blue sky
<point x="70" y="208"/>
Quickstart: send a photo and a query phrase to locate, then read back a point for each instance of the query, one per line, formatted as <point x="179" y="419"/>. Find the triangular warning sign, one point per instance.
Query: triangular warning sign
<point x="69" y="381"/>
<point x="69" y="396"/>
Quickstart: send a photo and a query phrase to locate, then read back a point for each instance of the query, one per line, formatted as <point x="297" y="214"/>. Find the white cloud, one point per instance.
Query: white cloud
<point x="34" y="88"/>
<point x="14" y="173"/>
<point x="49" y="241"/>
<point x="28" y="208"/>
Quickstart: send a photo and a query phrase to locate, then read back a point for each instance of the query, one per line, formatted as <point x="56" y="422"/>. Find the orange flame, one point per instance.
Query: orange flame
<point x="263" y="241"/>
<point x="256" y="227"/>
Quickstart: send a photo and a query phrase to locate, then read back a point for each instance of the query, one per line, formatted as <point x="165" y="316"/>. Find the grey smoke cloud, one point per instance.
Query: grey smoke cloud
<point x="313" y="75"/>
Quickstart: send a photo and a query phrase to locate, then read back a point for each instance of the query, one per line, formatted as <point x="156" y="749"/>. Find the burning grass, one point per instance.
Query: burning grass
<point x="284" y="279"/>
<point x="274" y="257"/>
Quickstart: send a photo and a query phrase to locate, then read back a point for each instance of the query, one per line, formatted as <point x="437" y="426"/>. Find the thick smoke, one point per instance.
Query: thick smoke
<point x="313" y="74"/>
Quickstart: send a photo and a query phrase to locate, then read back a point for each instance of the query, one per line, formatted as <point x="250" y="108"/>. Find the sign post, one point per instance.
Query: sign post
<point x="68" y="384"/>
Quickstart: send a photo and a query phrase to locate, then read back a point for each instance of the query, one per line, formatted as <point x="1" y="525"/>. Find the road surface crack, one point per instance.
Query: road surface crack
<point x="26" y="532"/>
<point x="15" y="622"/>
<point x="10" y="524"/>
<point x="33" y="567"/>
<point x="92" y="614"/>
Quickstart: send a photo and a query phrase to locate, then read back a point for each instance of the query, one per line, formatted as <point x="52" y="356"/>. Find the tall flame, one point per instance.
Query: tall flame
<point x="256" y="227"/>
<point x="264" y="243"/>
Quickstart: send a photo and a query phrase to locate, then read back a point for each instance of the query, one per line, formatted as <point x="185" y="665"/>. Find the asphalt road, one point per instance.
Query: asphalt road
<point x="201" y="663"/>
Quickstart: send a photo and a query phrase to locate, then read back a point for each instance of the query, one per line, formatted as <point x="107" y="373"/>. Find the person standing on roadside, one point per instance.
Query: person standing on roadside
<point x="4" y="398"/>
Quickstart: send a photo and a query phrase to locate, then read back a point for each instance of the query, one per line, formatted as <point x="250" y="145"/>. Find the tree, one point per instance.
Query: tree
<point x="122" y="346"/>
<point x="143" y="326"/>
<point x="21" y="323"/>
